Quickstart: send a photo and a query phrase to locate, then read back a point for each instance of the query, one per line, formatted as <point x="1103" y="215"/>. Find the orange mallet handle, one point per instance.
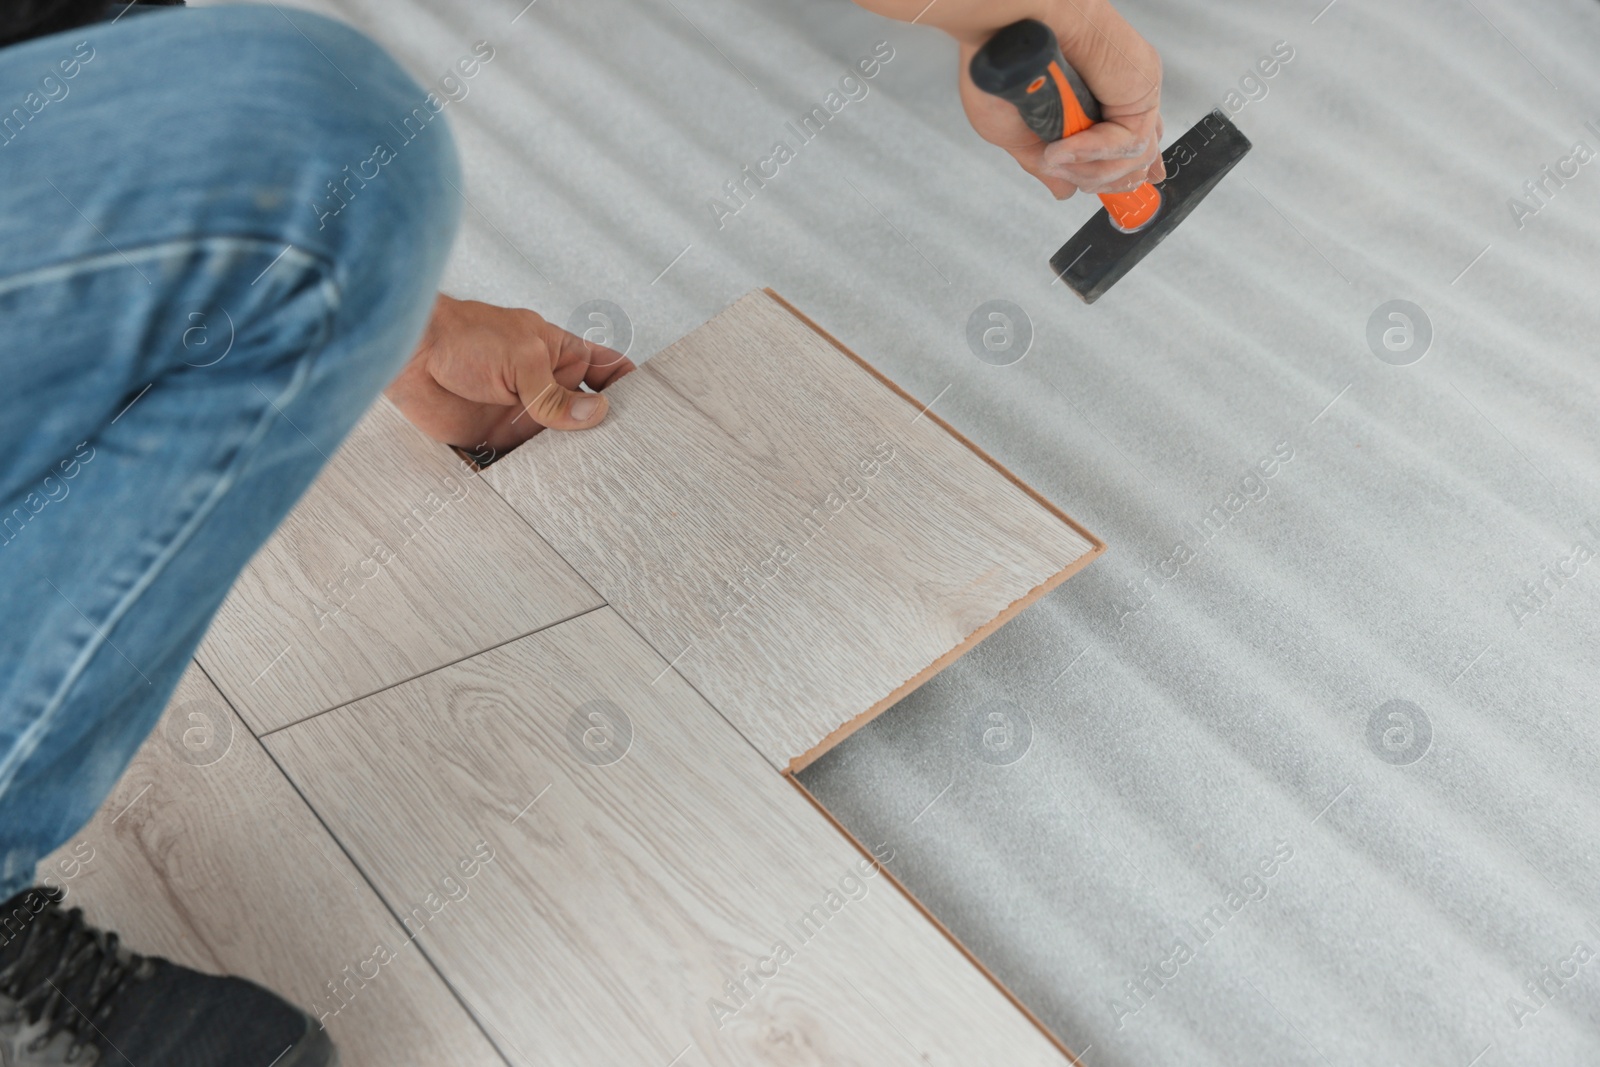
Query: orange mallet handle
<point x="1023" y="64"/>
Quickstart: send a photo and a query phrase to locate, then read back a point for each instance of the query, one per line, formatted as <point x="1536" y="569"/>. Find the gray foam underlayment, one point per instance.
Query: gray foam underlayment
<point x="1174" y="746"/>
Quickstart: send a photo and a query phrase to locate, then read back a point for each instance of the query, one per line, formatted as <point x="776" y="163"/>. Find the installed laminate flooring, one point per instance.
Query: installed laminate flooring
<point x="205" y="854"/>
<point x="636" y="864"/>
<point x="804" y="543"/>
<point x="397" y="560"/>
<point x="590" y="843"/>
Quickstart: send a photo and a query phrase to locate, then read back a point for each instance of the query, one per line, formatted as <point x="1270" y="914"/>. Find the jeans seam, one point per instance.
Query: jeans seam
<point x="135" y="254"/>
<point x="30" y="738"/>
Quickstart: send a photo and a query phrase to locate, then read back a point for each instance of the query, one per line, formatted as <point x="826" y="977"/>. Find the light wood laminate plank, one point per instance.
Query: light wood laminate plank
<point x="802" y="541"/>
<point x="626" y="894"/>
<point x="205" y="854"/>
<point x="397" y="560"/>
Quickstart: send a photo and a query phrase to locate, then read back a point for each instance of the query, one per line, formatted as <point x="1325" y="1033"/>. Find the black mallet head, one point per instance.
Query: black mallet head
<point x="1100" y="253"/>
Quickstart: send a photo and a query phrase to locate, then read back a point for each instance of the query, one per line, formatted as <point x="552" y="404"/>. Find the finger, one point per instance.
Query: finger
<point x="601" y="365"/>
<point x="546" y="403"/>
<point x="1101" y="175"/>
<point x="1103" y="141"/>
<point x="606" y="365"/>
<point x="1101" y="158"/>
<point x="1029" y="158"/>
<point x="571" y="363"/>
<point x="1102" y="178"/>
<point x="1059" y="188"/>
<point x="602" y="356"/>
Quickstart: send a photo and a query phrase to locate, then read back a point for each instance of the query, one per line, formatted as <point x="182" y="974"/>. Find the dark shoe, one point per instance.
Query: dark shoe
<point x="72" y="995"/>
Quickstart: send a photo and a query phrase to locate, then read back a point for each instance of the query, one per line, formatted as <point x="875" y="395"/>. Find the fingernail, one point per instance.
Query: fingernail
<point x="584" y="407"/>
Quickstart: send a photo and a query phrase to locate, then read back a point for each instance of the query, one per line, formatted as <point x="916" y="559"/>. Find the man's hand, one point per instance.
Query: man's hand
<point x="1120" y="68"/>
<point x="486" y="376"/>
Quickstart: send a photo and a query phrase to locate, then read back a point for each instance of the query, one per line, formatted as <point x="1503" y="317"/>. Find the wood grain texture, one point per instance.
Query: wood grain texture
<point x="800" y="540"/>
<point x="625" y="896"/>
<point x="205" y="854"/>
<point x="397" y="560"/>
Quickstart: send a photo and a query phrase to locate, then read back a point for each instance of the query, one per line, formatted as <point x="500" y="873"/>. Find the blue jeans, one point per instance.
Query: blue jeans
<point x="221" y="235"/>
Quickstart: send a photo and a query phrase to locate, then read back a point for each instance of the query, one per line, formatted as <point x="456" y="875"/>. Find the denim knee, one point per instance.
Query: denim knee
<point x="377" y="165"/>
<point x="349" y="161"/>
<point x="234" y="121"/>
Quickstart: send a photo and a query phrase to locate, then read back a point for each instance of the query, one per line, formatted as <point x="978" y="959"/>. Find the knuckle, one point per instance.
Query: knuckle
<point x="549" y="408"/>
<point x="547" y="405"/>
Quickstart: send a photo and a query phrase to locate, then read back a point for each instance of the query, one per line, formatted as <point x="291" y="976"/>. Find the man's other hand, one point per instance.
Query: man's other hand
<point x="1121" y="69"/>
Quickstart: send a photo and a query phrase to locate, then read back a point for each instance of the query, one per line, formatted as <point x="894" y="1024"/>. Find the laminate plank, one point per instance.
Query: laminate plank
<point x="396" y="561"/>
<point x="647" y="862"/>
<point x="789" y="530"/>
<point x="205" y="854"/>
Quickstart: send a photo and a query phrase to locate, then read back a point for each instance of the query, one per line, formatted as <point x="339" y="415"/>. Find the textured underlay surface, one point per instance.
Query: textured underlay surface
<point x="1304" y="771"/>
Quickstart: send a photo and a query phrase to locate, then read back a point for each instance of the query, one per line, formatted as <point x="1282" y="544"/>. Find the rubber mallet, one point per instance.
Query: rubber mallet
<point x="1023" y="65"/>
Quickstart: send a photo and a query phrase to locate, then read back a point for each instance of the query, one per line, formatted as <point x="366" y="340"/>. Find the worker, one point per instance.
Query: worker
<point x="222" y="237"/>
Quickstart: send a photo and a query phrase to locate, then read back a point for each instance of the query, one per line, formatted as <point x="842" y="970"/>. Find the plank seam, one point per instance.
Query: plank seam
<point x="365" y="878"/>
<point x="430" y="670"/>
